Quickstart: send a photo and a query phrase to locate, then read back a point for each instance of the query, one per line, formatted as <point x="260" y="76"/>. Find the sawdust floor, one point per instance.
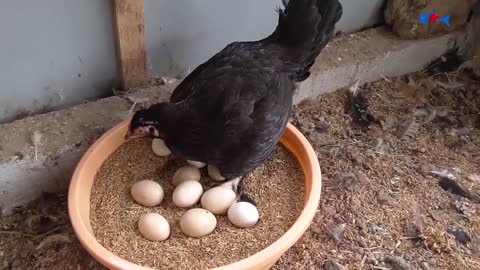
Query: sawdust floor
<point x="393" y="197"/>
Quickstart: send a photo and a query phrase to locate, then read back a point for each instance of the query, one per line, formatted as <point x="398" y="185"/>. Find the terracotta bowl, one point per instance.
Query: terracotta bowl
<point x="83" y="177"/>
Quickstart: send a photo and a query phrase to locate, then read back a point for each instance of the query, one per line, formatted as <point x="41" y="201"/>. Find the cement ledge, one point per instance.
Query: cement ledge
<point x="66" y="134"/>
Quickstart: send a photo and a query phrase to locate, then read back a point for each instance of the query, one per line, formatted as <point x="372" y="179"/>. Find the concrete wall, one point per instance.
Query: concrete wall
<point x="60" y="52"/>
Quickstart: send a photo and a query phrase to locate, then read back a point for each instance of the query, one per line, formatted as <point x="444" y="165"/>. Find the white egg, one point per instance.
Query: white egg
<point x="154" y="227"/>
<point x="197" y="164"/>
<point x="243" y="215"/>
<point x="147" y="193"/>
<point x="218" y="200"/>
<point x="159" y="148"/>
<point x="197" y="222"/>
<point x="186" y="173"/>
<point x="187" y="194"/>
<point x="214" y="173"/>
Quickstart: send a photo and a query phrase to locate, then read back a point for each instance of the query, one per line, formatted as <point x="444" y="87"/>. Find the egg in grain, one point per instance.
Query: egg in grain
<point x="243" y="214"/>
<point x="159" y="148"/>
<point x="218" y="200"/>
<point x="186" y="173"/>
<point x="197" y="164"/>
<point x="147" y="193"/>
<point x="214" y="173"/>
<point x="187" y="194"/>
<point x="198" y="222"/>
<point x="154" y="227"/>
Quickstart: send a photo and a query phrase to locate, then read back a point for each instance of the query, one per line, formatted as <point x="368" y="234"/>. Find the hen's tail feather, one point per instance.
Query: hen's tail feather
<point x="306" y="26"/>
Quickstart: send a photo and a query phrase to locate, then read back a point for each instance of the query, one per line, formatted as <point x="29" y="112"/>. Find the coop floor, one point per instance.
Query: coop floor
<point x="382" y="206"/>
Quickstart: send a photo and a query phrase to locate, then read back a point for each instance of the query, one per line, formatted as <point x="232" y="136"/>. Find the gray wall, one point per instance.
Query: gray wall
<point x="54" y="52"/>
<point x="59" y="52"/>
<point x="182" y="34"/>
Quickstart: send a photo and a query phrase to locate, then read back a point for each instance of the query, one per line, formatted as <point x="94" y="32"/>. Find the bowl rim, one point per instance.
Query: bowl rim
<point x="291" y="139"/>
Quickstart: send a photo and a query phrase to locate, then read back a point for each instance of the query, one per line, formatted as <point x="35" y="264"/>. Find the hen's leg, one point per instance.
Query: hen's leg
<point x="236" y="184"/>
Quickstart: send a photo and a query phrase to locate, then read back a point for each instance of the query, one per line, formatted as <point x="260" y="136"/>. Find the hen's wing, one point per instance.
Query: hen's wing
<point x="187" y="86"/>
<point x="254" y="121"/>
<point x="243" y="57"/>
<point x="203" y="72"/>
<point x="238" y="110"/>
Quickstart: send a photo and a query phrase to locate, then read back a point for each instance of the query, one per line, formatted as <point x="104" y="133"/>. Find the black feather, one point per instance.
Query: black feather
<point x="453" y="187"/>
<point x="357" y="106"/>
<point x="447" y="62"/>
<point x="307" y="26"/>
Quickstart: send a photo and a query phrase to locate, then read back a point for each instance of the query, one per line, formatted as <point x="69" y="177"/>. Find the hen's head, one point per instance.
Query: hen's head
<point x="151" y="122"/>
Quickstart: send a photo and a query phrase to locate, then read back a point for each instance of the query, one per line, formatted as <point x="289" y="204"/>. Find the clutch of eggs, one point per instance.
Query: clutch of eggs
<point x="186" y="173"/>
<point x="154" y="227"/>
<point x="214" y="173"/>
<point x="159" y="148"/>
<point x="197" y="164"/>
<point x="243" y="214"/>
<point x="218" y="199"/>
<point x="187" y="193"/>
<point x="196" y="222"/>
<point x="147" y="193"/>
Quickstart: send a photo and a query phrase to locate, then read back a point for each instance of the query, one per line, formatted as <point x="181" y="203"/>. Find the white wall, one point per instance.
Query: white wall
<point x="60" y="52"/>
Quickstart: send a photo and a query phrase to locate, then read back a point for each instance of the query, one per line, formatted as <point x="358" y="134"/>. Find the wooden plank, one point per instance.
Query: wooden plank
<point x="130" y="32"/>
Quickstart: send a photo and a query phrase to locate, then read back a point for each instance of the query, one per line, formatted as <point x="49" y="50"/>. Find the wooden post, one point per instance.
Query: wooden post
<point x="130" y="33"/>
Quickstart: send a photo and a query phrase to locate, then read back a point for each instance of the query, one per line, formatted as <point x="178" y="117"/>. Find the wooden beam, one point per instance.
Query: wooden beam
<point x="130" y="33"/>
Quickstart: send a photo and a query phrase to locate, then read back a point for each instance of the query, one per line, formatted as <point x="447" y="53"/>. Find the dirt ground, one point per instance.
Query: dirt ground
<point x="398" y="194"/>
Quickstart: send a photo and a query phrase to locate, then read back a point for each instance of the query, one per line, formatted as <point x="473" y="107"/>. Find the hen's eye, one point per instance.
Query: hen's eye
<point x="151" y="129"/>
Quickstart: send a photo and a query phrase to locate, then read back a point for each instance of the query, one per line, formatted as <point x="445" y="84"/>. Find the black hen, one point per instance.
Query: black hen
<point x="231" y="111"/>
